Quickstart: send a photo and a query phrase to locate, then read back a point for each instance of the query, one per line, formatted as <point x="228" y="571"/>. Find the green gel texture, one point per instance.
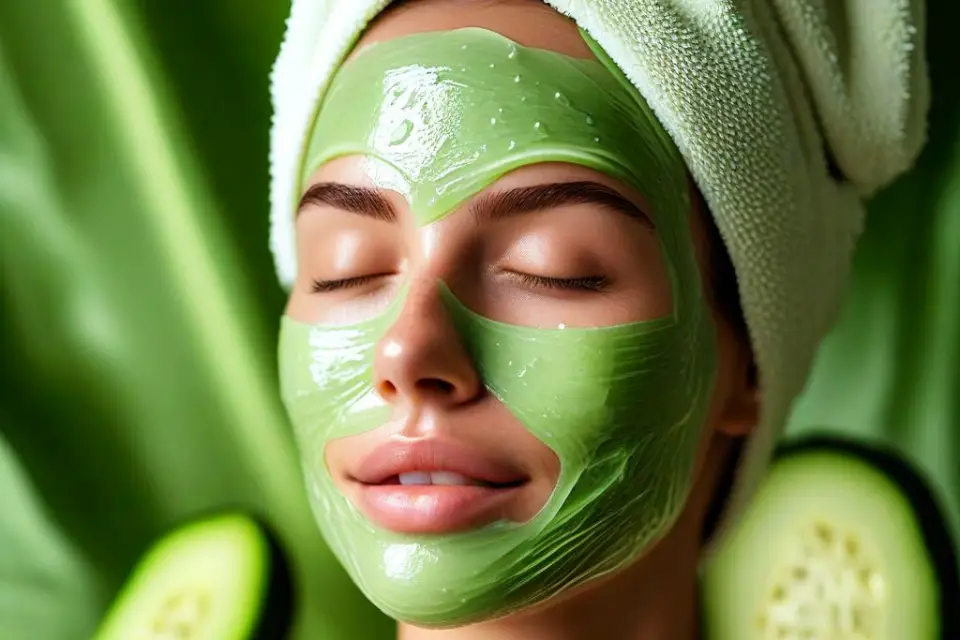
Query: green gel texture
<point x="621" y="406"/>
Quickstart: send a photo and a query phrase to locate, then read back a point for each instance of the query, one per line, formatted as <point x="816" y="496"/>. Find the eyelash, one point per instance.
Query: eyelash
<point x="586" y="283"/>
<point x="326" y="286"/>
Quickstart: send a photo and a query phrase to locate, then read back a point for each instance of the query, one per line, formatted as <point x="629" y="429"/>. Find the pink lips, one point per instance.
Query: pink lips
<point x="433" y="486"/>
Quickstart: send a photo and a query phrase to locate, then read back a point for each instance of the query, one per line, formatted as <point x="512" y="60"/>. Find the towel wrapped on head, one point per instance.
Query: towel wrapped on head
<point x="788" y="114"/>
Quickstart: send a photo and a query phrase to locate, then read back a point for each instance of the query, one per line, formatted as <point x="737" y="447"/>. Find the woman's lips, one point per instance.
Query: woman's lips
<point x="433" y="508"/>
<point x="433" y="486"/>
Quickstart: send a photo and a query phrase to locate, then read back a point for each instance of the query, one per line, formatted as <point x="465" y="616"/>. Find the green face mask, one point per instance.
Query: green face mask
<point x="622" y="406"/>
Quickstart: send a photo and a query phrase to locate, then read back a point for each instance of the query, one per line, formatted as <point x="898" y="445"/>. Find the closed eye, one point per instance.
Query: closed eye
<point x="326" y="286"/>
<point x="584" y="283"/>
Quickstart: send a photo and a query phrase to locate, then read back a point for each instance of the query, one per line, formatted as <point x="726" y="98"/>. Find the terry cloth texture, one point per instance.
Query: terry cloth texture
<point x="787" y="112"/>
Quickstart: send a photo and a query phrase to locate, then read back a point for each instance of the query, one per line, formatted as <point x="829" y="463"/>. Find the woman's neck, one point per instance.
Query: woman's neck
<point x="655" y="599"/>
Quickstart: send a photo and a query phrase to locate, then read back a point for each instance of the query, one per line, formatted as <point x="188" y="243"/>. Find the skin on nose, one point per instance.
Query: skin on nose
<point x="421" y="358"/>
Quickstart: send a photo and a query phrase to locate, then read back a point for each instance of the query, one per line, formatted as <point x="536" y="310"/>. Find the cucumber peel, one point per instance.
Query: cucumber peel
<point x="218" y="577"/>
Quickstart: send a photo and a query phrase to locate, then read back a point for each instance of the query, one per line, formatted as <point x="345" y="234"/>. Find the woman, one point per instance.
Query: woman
<point x="513" y="353"/>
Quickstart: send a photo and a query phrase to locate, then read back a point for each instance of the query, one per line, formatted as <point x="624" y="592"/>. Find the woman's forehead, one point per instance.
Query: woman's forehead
<point x="454" y="111"/>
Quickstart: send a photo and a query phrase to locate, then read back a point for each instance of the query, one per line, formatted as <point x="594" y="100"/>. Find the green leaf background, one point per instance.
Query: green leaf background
<point x="139" y="307"/>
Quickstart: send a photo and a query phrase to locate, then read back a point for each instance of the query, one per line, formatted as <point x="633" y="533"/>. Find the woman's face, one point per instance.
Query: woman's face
<point x="546" y="246"/>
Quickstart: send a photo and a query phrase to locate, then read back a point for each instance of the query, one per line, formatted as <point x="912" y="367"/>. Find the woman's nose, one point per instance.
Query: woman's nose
<point x="421" y="359"/>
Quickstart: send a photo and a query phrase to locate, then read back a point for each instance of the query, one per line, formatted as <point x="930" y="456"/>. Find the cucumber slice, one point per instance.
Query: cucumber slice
<point x="837" y="545"/>
<point x="221" y="577"/>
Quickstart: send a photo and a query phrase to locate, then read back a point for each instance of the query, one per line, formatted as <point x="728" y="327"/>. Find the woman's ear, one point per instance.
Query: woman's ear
<point x="741" y="412"/>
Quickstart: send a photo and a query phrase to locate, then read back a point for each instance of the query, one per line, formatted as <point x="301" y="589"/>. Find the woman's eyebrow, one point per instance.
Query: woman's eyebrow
<point x="363" y="201"/>
<point x="500" y="204"/>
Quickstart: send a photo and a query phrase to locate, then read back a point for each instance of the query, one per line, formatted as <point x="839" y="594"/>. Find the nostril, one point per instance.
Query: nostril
<point x="388" y="391"/>
<point x="435" y="386"/>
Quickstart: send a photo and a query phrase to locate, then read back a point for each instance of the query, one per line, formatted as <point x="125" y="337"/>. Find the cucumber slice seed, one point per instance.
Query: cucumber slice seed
<point x="182" y="615"/>
<point x="829" y="587"/>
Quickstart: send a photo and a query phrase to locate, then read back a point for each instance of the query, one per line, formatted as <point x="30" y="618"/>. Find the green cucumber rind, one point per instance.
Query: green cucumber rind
<point x="279" y="607"/>
<point x="268" y="607"/>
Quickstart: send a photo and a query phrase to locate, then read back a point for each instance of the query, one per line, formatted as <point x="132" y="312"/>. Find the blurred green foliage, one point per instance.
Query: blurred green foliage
<point x="140" y="309"/>
<point x="889" y="373"/>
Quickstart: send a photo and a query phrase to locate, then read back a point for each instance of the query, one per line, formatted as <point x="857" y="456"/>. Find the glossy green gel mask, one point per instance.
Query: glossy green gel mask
<point x="621" y="406"/>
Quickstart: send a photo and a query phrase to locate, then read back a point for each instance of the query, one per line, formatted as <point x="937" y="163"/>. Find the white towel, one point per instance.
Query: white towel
<point x="759" y="96"/>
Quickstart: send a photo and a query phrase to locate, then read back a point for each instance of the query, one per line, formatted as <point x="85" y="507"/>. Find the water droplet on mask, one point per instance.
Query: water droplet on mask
<point x="589" y="120"/>
<point x="493" y="66"/>
<point x="561" y="326"/>
<point x="562" y="99"/>
<point x="401" y="133"/>
<point x="512" y="145"/>
<point x="523" y="98"/>
<point x="517" y="78"/>
<point x="539" y="127"/>
<point x="513" y="53"/>
<point x="522" y="372"/>
<point x="597" y="140"/>
<point x="510" y="363"/>
<point x="463" y="46"/>
<point x="499" y="109"/>
<point x="493" y="121"/>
